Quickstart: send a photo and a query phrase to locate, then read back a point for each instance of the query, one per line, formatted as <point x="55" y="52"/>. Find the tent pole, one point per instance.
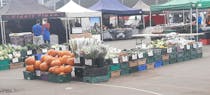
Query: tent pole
<point x="5" y="39"/>
<point x="2" y="37"/>
<point x="65" y="20"/>
<point x="183" y="16"/>
<point x="101" y="22"/>
<point x="191" y="20"/>
<point x="197" y="14"/>
<point x="150" y="18"/>
<point x="143" y="21"/>
<point x="69" y="28"/>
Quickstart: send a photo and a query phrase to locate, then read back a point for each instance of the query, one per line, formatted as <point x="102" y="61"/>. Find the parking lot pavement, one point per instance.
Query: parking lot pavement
<point x="185" y="78"/>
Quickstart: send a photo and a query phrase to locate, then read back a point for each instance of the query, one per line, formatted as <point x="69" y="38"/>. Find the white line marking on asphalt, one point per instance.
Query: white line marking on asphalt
<point x="68" y="88"/>
<point x="130" y="88"/>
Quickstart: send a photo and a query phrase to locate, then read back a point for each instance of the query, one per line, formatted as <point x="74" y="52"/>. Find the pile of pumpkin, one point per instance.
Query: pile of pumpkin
<point x="56" y="62"/>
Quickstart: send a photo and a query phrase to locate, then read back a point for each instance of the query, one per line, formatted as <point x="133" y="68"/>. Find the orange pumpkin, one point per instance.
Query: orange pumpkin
<point x="30" y="61"/>
<point x="67" y="69"/>
<point x="44" y="67"/>
<point x="37" y="64"/>
<point x="60" y="53"/>
<point x="51" y="69"/>
<point x="56" y="62"/>
<point x="62" y="68"/>
<point x="57" y="70"/>
<point x="62" y="73"/>
<point x="52" y="52"/>
<point x="30" y="68"/>
<point x="64" y="59"/>
<point x="44" y="58"/>
<point x="49" y="60"/>
<point x="70" y="61"/>
<point x="68" y="53"/>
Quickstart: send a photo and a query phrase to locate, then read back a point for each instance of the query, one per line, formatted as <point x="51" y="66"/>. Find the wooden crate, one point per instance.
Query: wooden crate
<point x="115" y="74"/>
<point x="16" y="65"/>
<point x="165" y="57"/>
<point x="142" y="61"/>
<point x="150" y="66"/>
<point x="133" y="63"/>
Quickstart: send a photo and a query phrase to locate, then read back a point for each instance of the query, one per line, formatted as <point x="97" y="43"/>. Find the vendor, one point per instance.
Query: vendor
<point x="36" y="29"/>
<point x="46" y="31"/>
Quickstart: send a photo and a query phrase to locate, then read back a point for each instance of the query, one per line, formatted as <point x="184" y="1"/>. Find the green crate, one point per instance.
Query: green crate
<point x="158" y="57"/>
<point x="180" y="55"/>
<point x="150" y="59"/>
<point x="199" y="55"/>
<point x="133" y="69"/>
<point x="59" y="78"/>
<point x="172" y="61"/>
<point x="157" y="51"/>
<point x="114" y="67"/>
<point x="172" y="55"/>
<point x="4" y="64"/>
<point x="4" y="67"/>
<point x="96" y="79"/>
<point x="124" y="72"/>
<point x="124" y="65"/>
<point x="29" y="75"/>
<point x="166" y="62"/>
<point x="187" y="58"/>
<point x="181" y="59"/>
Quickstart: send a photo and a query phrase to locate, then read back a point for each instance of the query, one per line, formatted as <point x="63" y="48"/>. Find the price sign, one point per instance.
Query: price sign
<point x="188" y="47"/>
<point x="10" y="56"/>
<point x="15" y="60"/>
<point x="125" y="58"/>
<point x="169" y="50"/>
<point x="29" y="52"/>
<point x="115" y="60"/>
<point x="44" y="50"/>
<point x="73" y="72"/>
<point x="38" y="73"/>
<point x="195" y="45"/>
<point x="17" y="54"/>
<point x="134" y="56"/>
<point x="144" y="46"/>
<point x="150" y="53"/>
<point x="77" y="60"/>
<point x="88" y="62"/>
<point x="141" y="55"/>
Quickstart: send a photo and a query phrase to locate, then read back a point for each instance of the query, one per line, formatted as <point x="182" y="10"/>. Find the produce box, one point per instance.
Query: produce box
<point x="114" y="67"/>
<point x="158" y="64"/>
<point x="114" y="74"/>
<point x="142" y="67"/>
<point x="16" y="65"/>
<point x="172" y="56"/>
<point x="166" y="62"/>
<point x="124" y="72"/>
<point x="29" y="75"/>
<point x="59" y="78"/>
<point x="157" y="51"/>
<point x="173" y="60"/>
<point x="133" y="63"/>
<point x="142" y="61"/>
<point x="158" y="57"/>
<point x="4" y="64"/>
<point x="98" y="62"/>
<point x="165" y="57"/>
<point x="96" y="79"/>
<point x="150" y="59"/>
<point x="93" y="71"/>
<point x="133" y="69"/>
<point x="150" y="66"/>
<point x="44" y="76"/>
<point x="124" y="65"/>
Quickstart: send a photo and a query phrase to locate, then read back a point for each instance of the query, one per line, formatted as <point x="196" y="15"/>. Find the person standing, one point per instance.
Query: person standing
<point x="37" y="29"/>
<point x="46" y="31"/>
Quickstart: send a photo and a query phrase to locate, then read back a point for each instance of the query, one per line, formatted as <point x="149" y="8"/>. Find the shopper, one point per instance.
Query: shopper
<point x="37" y="29"/>
<point x="46" y="31"/>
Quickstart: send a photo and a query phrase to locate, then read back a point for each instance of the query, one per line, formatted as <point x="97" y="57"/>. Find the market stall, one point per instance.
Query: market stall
<point x="27" y="9"/>
<point x="83" y="14"/>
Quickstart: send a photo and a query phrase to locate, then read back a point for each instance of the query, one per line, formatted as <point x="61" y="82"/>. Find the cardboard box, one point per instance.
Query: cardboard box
<point x="115" y="74"/>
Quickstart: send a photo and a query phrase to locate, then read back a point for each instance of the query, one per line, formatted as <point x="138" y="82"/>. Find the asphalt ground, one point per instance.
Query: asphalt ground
<point x="184" y="78"/>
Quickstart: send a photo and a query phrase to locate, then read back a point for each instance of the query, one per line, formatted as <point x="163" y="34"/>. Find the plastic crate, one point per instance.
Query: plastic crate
<point x="181" y="59"/>
<point x="44" y="76"/>
<point x="166" y="62"/>
<point x="96" y="71"/>
<point x="59" y="78"/>
<point x="180" y="55"/>
<point x="172" y="61"/>
<point x="124" y="65"/>
<point x="172" y="55"/>
<point x="157" y="51"/>
<point x="124" y="72"/>
<point x="142" y="67"/>
<point x="16" y="65"/>
<point x="114" y="67"/>
<point x="96" y="79"/>
<point x="165" y="57"/>
<point x="29" y="75"/>
<point x="158" y="57"/>
<point x="158" y="64"/>
<point x="150" y="59"/>
<point x="133" y="69"/>
<point x="38" y="56"/>
<point x="4" y="64"/>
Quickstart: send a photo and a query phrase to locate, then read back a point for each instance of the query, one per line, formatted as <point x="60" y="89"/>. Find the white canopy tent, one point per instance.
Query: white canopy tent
<point x="73" y="10"/>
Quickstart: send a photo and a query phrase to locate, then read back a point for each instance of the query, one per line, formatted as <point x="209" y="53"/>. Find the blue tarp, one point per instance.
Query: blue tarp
<point x="114" y="7"/>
